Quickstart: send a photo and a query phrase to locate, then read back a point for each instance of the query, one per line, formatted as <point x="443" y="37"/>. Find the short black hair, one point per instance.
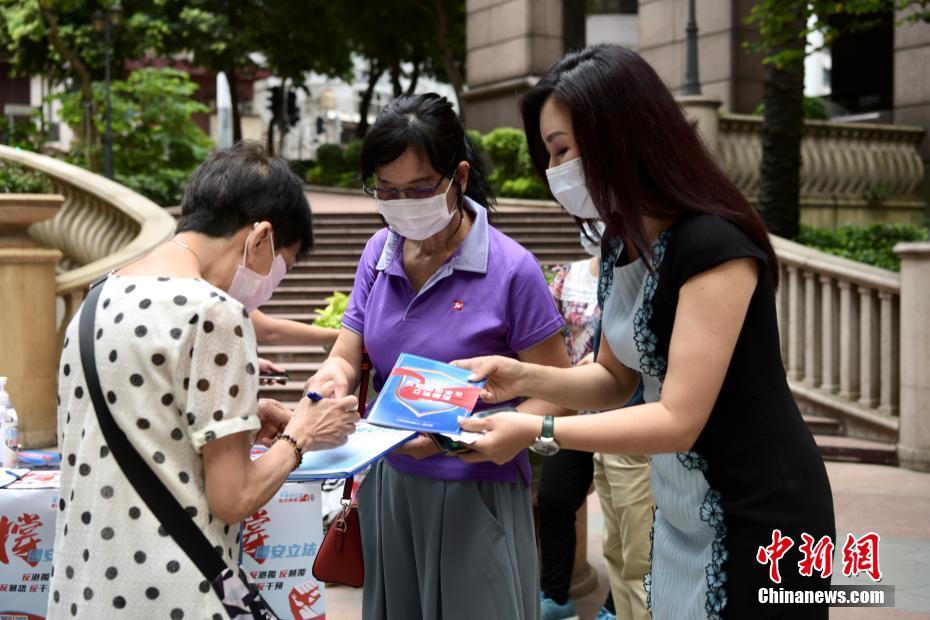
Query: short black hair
<point x="428" y="124"/>
<point x="241" y="185"/>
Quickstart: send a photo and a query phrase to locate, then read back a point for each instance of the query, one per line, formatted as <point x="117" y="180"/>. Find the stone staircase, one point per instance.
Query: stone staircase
<point x="340" y="239"/>
<point x="550" y="234"/>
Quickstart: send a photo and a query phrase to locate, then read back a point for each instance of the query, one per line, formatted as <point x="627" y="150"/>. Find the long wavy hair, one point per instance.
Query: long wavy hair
<point x="641" y="156"/>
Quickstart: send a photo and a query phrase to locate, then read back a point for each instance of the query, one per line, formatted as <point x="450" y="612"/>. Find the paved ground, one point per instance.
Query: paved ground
<point x="893" y="502"/>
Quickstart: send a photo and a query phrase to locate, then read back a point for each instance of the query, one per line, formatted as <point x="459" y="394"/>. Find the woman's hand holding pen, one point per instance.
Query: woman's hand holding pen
<point x="321" y="422"/>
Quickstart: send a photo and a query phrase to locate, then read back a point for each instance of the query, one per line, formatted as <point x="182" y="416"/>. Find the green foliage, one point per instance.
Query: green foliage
<point x="868" y="244"/>
<point x="477" y="141"/>
<point x="14" y="179"/>
<point x="331" y="315"/>
<point x="25" y="133"/>
<point x="549" y="272"/>
<point x="156" y="143"/>
<point x="329" y="157"/>
<point x="502" y="146"/>
<point x="524" y="187"/>
<point x="503" y="150"/>
<point x="512" y="174"/>
<point x="814" y="109"/>
<point x="783" y="25"/>
<point x="877" y="193"/>
<point x="352" y="155"/>
<point x="334" y="165"/>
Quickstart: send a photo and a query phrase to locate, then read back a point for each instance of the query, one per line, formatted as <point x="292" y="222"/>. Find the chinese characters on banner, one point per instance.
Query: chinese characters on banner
<point x="859" y="555"/>
<point x="279" y="545"/>
<point x="27" y="534"/>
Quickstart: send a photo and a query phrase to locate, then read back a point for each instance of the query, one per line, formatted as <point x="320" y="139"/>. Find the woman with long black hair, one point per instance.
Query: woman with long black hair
<point x="689" y="277"/>
<point x="442" y="538"/>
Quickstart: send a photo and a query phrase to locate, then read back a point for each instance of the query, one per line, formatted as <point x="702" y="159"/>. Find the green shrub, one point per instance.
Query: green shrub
<point x="24" y="133"/>
<point x="512" y="173"/>
<point x="477" y="141"/>
<point x="352" y="156"/>
<point x="14" y="179"/>
<point x="814" y="109"/>
<point x="329" y="158"/>
<point x="348" y="180"/>
<point x="524" y="187"/>
<point x="156" y="143"/>
<point x="300" y="166"/>
<point x="503" y="146"/>
<point x="873" y="244"/>
<point x="331" y="315"/>
<point x="318" y="176"/>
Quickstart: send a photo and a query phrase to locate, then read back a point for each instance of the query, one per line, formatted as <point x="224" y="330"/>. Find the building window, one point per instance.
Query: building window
<point x="623" y="7"/>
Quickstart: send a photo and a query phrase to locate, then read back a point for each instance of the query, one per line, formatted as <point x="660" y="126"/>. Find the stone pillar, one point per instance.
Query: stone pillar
<point x="912" y="83"/>
<point x="509" y="45"/>
<point x="914" y="431"/>
<point x="28" y="336"/>
<point x="726" y="70"/>
<point x="704" y="113"/>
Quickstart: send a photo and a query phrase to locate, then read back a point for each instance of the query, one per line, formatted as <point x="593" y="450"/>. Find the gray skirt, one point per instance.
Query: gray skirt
<point x="447" y="550"/>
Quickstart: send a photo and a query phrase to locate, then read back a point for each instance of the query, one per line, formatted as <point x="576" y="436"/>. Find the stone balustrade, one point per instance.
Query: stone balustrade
<point x="851" y="173"/>
<point x="839" y="322"/>
<point x="101" y="226"/>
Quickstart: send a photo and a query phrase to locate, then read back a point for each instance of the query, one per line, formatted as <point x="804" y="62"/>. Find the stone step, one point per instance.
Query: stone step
<point x="333" y="280"/>
<point x="302" y="370"/>
<point x="342" y="229"/>
<point x="286" y="354"/>
<point x="293" y="315"/>
<point x="292" y="391"/>
<point x="278" y="305"/>
<point x="849" y="449"/>
<point x="356" y="241"/>
<point x="497" y="217"/>
<point x="302" y="293"/>
<point x="823" y="425"/>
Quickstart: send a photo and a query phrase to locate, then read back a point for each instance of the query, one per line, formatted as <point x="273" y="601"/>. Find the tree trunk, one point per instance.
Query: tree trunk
<point x="414" y="78"/>
<point x="374" y="74"/>
<point x="269" y="143"/>
<point x="780" y="172"/>
<point x="84" y="77"/>
<point x="395" y="79"/>
<point x="234" y="101"/>
<point x="449" y="64"/>
<point x="283" y="121"/>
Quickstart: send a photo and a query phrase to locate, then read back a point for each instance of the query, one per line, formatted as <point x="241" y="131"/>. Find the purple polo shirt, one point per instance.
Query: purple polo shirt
<point x="489" y="298"/>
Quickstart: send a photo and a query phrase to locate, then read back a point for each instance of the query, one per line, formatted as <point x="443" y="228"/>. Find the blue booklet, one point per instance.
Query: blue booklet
<point x="365" y="446"/>
<point x="426" y="396"/>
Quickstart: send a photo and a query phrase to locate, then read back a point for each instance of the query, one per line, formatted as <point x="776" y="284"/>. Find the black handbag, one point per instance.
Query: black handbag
<point x="240" y="598"/>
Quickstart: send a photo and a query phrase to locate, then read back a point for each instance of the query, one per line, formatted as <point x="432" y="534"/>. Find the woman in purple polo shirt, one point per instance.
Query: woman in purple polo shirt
<point x="442" y="538"/>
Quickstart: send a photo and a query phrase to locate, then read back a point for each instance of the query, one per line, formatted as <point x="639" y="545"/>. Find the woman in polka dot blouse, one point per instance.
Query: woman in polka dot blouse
<point x="176" y="357"/>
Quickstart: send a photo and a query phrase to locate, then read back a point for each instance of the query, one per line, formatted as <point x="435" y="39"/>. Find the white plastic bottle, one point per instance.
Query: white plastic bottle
<point x="9" y="429"/>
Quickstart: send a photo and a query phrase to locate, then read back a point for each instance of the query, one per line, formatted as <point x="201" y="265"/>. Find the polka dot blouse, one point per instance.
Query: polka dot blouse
<point x="177" y="364"/>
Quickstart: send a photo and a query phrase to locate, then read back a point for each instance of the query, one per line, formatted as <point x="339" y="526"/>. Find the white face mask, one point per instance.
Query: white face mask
<point x="567" y="184"/>
<point x="417" y="218"/>
<point x="593" y="248"/>
<point x="253" y="289"/>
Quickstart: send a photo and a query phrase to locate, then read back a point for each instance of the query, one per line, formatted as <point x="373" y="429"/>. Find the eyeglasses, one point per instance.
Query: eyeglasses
<point x="389" y="193"/>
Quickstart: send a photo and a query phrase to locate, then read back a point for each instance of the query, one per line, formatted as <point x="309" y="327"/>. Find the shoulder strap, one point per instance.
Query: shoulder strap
<point x="362" y="401"/>
<point x="150" y="488"/>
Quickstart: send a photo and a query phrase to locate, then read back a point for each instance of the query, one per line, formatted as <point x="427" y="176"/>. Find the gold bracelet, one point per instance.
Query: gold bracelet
<point x="297" y="453"/>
